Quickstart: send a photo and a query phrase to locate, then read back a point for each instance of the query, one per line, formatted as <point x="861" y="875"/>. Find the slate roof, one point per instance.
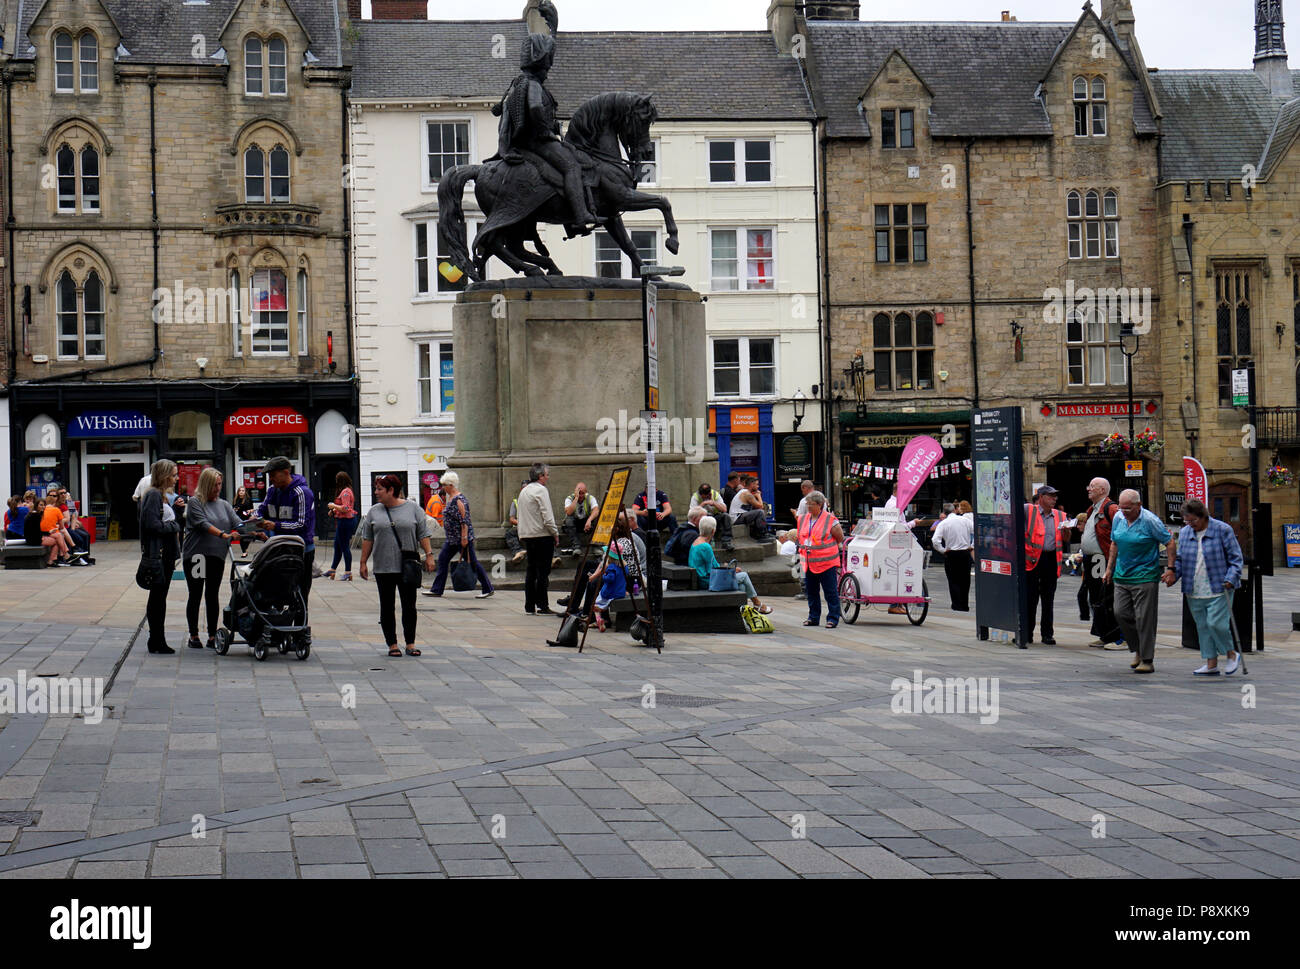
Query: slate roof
<point x="434" y="58"/>
<point x="162" y="31"/>
<point x="1214" y="122"/>
<point x="984" y="75"/>
<point x="692" y="74"/>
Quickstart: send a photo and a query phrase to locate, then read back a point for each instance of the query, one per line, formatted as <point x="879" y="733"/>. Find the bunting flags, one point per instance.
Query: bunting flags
<point x="889" y="474"/>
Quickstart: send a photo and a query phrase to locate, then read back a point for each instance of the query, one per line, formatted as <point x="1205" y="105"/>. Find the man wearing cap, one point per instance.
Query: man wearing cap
<point x="1046" y="532"/>
<point x="290" y="509"/>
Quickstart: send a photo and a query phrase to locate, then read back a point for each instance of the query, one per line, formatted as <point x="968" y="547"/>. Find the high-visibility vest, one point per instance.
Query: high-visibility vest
<point x="434" y="508"/>
<point x="819" y="550"/>
<point x="1036" y="534"/>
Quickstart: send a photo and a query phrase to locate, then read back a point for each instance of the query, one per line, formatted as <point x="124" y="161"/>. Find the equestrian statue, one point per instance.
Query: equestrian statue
<point x="583" y="180"/>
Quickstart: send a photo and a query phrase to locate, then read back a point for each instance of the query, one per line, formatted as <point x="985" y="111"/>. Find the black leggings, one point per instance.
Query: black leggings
<point x="203" y="573"/>
<point x="389" y="583"/>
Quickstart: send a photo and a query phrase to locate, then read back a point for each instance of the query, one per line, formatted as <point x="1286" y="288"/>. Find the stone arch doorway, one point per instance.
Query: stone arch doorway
<point x="1069" y="472"/>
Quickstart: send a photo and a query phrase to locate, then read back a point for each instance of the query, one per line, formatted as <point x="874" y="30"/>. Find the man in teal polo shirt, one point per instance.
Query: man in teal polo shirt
<point x="1134" y="566"/>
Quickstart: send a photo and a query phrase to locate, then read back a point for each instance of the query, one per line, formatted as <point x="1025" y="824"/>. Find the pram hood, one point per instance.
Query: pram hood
<point x="279" y="545"/>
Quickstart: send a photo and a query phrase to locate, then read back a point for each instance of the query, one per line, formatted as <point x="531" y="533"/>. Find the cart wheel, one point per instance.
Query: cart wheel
<point x="850" y="594"/>
<point x="282" y="646"/>
<point x="260" y="650"/>
<point x="303" y="650"/>
<point x="916" y="613"/>
<point x="224" y="637"/>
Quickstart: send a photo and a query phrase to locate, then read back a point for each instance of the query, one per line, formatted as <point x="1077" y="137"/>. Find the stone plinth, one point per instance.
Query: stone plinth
<point x="551" y="370"/>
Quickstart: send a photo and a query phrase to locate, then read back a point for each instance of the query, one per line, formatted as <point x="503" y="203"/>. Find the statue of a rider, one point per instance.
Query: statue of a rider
<point x="529" y="122"/>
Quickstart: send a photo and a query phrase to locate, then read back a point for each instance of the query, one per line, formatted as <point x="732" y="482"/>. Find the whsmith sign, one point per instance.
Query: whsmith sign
<point x="112" y="423"/>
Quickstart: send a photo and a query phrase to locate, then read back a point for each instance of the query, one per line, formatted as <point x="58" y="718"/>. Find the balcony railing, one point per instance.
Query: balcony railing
<point x="1279" y="426"/>
<point x="268" y="217"/>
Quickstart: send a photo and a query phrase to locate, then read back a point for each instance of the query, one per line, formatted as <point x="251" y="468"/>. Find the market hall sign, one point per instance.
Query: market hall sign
<point x="112" y="423"/>
<point x="265" y="420"/>
<point x="865" y="442"/>
<point x="1097" y="410"/>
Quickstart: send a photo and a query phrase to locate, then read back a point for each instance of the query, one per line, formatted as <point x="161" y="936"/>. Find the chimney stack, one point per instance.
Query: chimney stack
<point x="354" y="10"/>
<point x="399" y="9"/>
<point x="1007" y="18"/>
<point x="781" y="16"/>
<point x="1270" y="49"/>
<point x="831" y="10"/>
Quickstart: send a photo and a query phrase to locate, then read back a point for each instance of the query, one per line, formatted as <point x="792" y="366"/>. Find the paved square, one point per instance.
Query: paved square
<point x="493" y="756"/>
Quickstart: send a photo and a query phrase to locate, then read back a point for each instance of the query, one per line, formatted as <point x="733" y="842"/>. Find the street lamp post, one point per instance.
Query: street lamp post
<point x="800" y="407"/>
<point x="1129" y="342"/>
<point x="857" y="373"/>
<point x="649" y="331"/>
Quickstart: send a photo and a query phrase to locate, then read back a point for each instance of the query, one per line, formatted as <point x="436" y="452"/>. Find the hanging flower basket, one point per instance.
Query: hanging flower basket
<point x="851" y="482"/>
<point x="1279" y="476"/>
<point x="1144" y="442"/>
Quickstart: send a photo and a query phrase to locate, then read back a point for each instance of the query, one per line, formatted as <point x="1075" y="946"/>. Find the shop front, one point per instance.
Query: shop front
<point x="416" y="455"/>
<point x="101" y="439"/>
<point x="871" y="449"/>
<point x="112" y="452"/>
<point x="745" y="443"/>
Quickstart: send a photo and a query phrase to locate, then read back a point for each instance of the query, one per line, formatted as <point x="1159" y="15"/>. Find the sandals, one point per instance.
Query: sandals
<point x="765" y="611"/>
<point x="345" y="577"/>
<point x="831" y="625"/>
<point x="412" y="651"/>
<point x="395" y="651"/>
<point x="330" y="574"/>
<point x="811" y="622"/>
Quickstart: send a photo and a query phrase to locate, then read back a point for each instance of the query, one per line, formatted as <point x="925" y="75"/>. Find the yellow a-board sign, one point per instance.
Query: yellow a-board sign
<point x="609" y="508"/>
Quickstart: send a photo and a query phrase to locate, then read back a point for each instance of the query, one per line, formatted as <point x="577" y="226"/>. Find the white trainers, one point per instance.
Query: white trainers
<point x="1205" y="670"/>
<point x="1233" y="666"/>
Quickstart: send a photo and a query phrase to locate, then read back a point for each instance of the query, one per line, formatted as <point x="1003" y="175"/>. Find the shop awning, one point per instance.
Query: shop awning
<point x="850" y="418"/>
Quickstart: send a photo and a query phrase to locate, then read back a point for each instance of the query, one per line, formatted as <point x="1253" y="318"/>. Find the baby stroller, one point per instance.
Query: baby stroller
<point x="267" y="607"/>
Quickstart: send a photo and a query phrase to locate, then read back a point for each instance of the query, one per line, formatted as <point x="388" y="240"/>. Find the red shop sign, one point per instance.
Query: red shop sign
<point x="1096" y="410"/>
<point x="265" y="420"/>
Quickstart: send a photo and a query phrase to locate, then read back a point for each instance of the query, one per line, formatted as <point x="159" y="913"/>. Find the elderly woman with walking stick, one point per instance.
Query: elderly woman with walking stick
<point x="1207" y="557"/>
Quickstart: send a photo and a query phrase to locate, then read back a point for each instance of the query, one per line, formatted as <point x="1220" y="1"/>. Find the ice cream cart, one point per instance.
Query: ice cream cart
<point x="884" y="565"/>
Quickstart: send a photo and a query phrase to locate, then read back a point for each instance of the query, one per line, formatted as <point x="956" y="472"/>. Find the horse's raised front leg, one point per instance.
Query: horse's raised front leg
<point x="642" y="201"/>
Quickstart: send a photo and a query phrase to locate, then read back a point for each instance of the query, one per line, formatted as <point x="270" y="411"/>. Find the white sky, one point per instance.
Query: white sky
<point x="1173" y="33"/>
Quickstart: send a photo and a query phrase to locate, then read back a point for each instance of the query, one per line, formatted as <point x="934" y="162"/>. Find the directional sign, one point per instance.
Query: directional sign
<point x="652" y="343"/>
<point x="1241" y="388"/>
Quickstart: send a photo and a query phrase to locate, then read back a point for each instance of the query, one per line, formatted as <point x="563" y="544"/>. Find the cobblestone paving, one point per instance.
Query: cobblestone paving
<point x="492" y="756"/>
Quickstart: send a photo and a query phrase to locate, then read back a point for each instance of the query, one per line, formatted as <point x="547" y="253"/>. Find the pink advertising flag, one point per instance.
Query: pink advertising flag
<point x="1196" y="482"/>
<point x="919" y="458"/>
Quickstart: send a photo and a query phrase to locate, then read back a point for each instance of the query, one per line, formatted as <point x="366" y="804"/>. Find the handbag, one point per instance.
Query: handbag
<point x="149" y="573"/>
<point x="723" y="578"/>
<point x="568" y="634"/>
<point x="410" y="560"/>
<point x="463" y="578"/>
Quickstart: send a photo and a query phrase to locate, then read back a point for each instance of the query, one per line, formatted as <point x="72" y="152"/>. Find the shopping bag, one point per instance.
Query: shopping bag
<point x="755" y="621"/>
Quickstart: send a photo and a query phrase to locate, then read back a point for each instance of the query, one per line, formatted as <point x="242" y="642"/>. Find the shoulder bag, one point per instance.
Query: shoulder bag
<point x="149" y="573"/>
<point x="410" y="560"/>
<point x="723" y="578"/>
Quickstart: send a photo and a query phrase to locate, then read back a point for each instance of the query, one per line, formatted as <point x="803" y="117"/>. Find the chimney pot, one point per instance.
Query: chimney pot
<point x="399" y="9"/>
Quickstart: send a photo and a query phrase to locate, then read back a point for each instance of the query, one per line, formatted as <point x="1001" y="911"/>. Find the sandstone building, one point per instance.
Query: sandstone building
<point x="167" y="154"/>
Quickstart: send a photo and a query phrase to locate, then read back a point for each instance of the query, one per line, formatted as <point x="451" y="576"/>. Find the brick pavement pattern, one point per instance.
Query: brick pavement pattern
<point x="493" y="756"/>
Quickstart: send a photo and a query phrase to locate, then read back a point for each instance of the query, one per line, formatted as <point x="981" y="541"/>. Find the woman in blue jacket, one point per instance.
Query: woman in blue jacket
<point x="1207" y="557"/>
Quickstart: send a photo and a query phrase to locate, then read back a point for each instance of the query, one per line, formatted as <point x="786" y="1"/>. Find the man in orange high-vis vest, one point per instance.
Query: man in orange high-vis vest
<point x="436" y="504"/>
<point x="1046" y="531"/>
<point x="820" y="536"/>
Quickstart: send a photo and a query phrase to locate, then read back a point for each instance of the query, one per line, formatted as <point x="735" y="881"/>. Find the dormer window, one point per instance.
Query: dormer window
<point x="76" y="63"/>
<point x="1090" y="107"/>
<point x="897" y="128"/>
<point x="266" y="69"/>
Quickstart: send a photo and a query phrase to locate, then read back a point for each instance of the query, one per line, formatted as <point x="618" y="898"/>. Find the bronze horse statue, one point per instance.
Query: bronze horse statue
<point x="515" y="197"/>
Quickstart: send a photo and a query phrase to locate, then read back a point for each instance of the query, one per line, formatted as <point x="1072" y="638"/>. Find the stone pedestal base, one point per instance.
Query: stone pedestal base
<point x="551" y="370"/>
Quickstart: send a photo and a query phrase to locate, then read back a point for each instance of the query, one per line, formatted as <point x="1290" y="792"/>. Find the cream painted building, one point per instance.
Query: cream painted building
<point x="736" y="159"/>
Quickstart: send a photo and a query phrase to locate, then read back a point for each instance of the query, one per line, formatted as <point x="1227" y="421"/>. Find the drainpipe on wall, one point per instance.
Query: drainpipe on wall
<point x="970" y="255"/>
<point x="1188" y="224"/>
<point x="347" y="229"/>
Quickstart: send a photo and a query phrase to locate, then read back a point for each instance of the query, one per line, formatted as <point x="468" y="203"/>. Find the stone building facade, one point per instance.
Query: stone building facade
<point x="135" y="347"/>
<point x="1228" y="247"/>
<point x="977" y="176"/>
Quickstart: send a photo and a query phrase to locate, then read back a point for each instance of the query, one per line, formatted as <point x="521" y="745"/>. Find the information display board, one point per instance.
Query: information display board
<point x="1000" y="599"/>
